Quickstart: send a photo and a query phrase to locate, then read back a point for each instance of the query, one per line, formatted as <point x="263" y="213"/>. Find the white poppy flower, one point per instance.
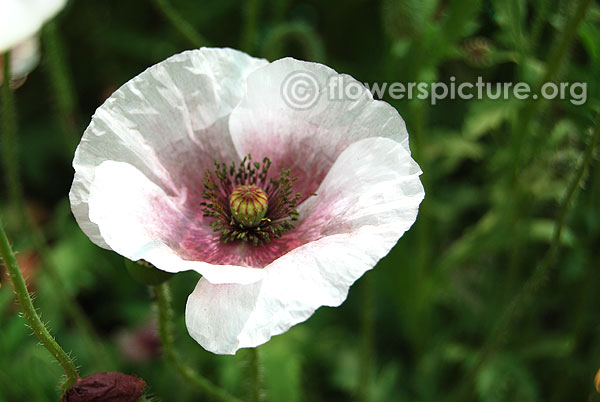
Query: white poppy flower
<point x="23" y="59"/>
<point x="20" y="21"/>
<point x="162" y="174"/>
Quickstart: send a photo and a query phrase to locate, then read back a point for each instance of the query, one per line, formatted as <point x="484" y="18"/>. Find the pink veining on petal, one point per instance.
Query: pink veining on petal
<point x="178" y="220"/>
<point x="365" y="203"/>
<point x="188" y="232"/>
<point x="307" y="159"/>
<point x="163" y="122"/>
<point x="308" y="150"/>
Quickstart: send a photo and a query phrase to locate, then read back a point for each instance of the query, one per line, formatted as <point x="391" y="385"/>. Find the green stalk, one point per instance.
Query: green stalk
<point x="9" y="138"/>
<point x="273" y="46"/>
<point x="11" y="167"/>
<point x="515" y="11"/>
<point x="525" y="146"/>
<point x="555" y="60"/>
<point x="541" y="11"/>
<point x="180" y="24"/>
<point x="256" y="375"/>
<point x="165" y="331"/>
<point x="61" y="83"/>
<point x="251" y="12"/>
<point x="367" y="338"/>
<point x="564" y="41"/>
<point x="537" y="279"/>
<point x="31" y="315"/>
<point x="72" y="307"/>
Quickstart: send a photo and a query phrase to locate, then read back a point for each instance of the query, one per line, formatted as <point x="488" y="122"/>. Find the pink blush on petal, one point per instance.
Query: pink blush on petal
<point x="189" y="233"/>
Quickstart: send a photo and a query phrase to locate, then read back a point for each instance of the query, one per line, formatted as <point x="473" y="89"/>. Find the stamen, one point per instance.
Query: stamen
<point x="245" y="205"/>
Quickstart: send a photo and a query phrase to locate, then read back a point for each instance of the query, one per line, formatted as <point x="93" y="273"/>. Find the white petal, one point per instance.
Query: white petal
<point x="368" y="200"/>
<point x="169" y="122"/>
<point x="307" y="140"/>
<point x="24" y="57"/>
<point x="138" y="220"/>
<point x="21" y="19"/>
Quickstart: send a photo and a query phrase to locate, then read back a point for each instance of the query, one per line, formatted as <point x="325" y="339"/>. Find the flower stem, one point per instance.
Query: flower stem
<point x="256" y="375"/>
<point x="537" y="278"/>
<point x="180" y="24"/>
<point x="563" y="42"/>
<point x="541" y="11"/>
<point x="165" y="330"/>
<point x="72" y="307"/>
<point x="555" y="60"/>
<point x="251" y="12"/>
<point x="61" y="83"/>
<point x="273" y="46"/>
<point x="31" y="315"/>
<point x="11" y="167"/>
<point x="515" y="16"/>
<point x="367" y="338"/>
<point x="9" y="138"/>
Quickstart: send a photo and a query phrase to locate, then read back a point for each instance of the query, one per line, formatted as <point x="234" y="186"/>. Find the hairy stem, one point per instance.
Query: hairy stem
<point x="165" y="330"/>
<point x="31" y="315"/>
<point x="11" y="167"/>
<point x="73" y="309"/>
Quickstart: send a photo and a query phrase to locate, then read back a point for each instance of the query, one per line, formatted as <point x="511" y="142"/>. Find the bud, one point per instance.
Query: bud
<point x="597" y="381"/>
<point x="248" y="205"/>
<point x="478" y="52"/>
<point x="113" y="386"/>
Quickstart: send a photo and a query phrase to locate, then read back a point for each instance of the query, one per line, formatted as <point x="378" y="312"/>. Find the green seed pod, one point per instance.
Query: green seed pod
<point x="248" y="205"/>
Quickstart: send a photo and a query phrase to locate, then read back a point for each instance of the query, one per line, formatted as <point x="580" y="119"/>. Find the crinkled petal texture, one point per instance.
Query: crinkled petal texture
<point x="369" y="198"/>
<point x="21" y="19"/>
<point x="307" y="141"/>
<point x="140" y="166"/>
<point x="139" y="180"/>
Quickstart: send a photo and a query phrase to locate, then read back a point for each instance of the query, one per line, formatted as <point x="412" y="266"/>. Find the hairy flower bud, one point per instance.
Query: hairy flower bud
<point x="248" y="205"/>
<point x="106" y="387"/>
<point x="478" y="52"/>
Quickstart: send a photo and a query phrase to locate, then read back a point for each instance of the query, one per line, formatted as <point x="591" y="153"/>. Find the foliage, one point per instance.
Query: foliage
<point x="495" y="173"/>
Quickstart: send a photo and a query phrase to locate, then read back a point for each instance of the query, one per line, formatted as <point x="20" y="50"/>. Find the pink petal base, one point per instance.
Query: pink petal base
<point x="365" y="203"/>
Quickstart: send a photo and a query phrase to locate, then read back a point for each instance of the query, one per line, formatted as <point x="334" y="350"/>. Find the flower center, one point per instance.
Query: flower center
<point x="248" y="205"/>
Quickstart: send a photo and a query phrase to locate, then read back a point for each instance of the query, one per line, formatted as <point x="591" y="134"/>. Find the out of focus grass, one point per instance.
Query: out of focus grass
<point x="494" y="178"/>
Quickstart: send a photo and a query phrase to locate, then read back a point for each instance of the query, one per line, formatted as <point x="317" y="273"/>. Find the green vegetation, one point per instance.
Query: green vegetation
<point x="493" y="295"/>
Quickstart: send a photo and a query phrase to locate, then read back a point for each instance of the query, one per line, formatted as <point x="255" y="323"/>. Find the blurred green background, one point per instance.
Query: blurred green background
<point x="437" y="319"/>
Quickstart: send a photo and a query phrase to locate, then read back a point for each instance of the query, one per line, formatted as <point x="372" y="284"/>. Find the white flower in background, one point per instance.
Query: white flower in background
<point x="163" y="174"/>
<point x="20" y="21"/>
<point x="23" y="59"/>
